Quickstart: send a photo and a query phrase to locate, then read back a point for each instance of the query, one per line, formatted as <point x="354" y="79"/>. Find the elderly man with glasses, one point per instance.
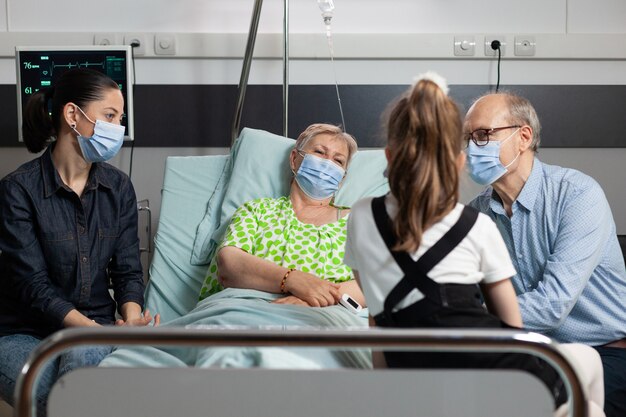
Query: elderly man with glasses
<point x="560" y="233"/>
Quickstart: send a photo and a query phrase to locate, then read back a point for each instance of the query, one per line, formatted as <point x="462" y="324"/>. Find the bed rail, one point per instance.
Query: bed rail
<point x="413" y="339"/>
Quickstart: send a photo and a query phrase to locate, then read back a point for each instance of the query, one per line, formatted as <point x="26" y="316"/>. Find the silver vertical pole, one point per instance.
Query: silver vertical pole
<point x="286" y="69"/>
<point x="245" y="70"/>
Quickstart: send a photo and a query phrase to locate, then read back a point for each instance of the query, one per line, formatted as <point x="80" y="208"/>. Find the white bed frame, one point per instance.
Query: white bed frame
<point x="166" y="392"/>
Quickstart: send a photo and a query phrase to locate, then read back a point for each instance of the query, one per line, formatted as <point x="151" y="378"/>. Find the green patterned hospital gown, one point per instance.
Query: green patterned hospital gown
<point x="268" y="228"/>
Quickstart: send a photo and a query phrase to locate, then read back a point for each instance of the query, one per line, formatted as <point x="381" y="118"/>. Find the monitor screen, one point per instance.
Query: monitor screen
<point x="40" y="67"/>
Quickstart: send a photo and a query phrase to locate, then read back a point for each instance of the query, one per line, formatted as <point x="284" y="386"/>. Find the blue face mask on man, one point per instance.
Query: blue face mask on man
<point x="319" y="178"/>
<point x="104" y="144"/>
<point x="484" y="163"/>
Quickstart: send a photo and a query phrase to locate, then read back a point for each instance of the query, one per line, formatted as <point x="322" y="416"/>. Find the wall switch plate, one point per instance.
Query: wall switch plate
<point x="489" y="51"/>
<point x="464" y="46"/>
<point x="525" y="45"/>
<point x="165" y="44"/>
<point x="130" y="38"/>
<point x="105" y="39"/>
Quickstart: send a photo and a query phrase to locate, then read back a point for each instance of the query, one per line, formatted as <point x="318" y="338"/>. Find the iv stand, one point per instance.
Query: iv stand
<point x="286" y="68"/>
<point x="247" y="61"/>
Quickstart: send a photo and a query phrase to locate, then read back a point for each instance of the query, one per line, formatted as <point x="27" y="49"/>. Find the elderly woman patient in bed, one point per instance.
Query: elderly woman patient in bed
<point x="294" y="245"/>
<point x="278" y="258"/>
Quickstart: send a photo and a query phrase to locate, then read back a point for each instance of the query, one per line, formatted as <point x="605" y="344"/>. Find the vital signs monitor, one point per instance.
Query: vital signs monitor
<point x="40" y="67"/>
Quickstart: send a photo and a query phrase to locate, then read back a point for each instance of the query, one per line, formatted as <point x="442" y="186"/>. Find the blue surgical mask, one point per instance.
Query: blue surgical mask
<point x="319" y="178"/>
<point x="484" y="163"/>
<point x="105" y="143"/>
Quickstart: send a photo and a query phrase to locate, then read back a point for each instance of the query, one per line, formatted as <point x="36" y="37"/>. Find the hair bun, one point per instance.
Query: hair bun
<point x="435" y="78"/>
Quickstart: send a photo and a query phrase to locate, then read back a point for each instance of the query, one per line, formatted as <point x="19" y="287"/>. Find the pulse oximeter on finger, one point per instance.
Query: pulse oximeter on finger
<point x="350" y="303"/>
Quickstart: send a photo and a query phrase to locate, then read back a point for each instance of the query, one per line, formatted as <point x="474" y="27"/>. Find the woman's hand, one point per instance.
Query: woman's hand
<point x="292" y="300"/>
<point x="133" y="316"/>
<point x="77" y="319"/>
<point x="143" y="319"/>
<point x="239" y="269"/>
<point x="314" y="291"/>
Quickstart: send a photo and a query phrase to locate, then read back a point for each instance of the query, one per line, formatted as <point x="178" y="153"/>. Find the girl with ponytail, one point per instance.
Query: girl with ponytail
<point x="425" y="159"/>
<point x="422" y="258"/>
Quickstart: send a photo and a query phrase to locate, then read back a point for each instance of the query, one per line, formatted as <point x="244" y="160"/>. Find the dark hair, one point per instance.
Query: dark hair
<point x="425" y="138"/>
<point x="79" y="86"/>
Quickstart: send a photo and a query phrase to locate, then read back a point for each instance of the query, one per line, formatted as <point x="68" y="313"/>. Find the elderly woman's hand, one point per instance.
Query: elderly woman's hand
<point x="311" y="289"/>
<point x="291" y="299"/>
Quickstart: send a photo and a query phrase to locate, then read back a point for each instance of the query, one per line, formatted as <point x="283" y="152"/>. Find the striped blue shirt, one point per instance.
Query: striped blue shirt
<point x="571" y="279"/>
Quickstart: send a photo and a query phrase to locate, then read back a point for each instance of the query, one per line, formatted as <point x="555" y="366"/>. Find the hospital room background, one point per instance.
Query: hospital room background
<point x="189" y="62"/>
<point x="185" y="97"/>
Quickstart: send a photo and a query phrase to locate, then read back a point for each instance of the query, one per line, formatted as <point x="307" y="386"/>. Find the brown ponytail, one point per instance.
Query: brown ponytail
<point x="425" y="138"/>
<point x="37" y="127"/>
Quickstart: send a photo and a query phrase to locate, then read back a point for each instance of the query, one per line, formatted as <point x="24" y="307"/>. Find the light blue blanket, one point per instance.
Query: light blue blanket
<point x="241" y="308"/>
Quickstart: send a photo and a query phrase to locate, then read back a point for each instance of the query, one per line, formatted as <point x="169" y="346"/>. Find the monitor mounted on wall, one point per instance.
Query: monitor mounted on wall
<point x="40" y="67"/>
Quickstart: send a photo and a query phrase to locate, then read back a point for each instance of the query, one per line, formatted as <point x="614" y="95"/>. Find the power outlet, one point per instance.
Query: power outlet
<point x="489" y="51"/>
<point x="525" y="45"/>
<point x="105" y="39"/>
<point x="136" y="38"/>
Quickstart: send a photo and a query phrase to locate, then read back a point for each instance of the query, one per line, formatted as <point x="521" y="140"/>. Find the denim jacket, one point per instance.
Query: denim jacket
<point x="59" y="251"/>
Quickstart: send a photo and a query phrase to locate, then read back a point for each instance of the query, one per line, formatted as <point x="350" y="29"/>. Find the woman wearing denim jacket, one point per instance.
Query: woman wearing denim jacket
<point x="68" y="228"/>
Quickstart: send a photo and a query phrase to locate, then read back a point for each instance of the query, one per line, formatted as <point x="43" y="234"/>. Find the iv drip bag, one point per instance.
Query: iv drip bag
<point x="327" y="7"/>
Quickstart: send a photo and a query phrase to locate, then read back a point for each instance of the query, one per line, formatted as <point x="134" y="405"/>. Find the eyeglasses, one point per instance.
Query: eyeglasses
<point x="481" y="137"/>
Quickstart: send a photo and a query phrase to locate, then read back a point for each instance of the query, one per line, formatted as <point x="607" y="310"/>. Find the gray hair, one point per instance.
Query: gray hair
<point x="332" y="130"/>
<point x="523" y="113"/>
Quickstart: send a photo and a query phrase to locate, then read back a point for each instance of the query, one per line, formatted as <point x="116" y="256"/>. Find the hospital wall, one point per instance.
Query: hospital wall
<point x="184" y="102"/>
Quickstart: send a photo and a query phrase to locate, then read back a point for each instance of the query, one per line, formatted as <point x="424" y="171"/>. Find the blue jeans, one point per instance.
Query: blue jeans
<point x="14" y="351"/>
<point x="614" y="365"/>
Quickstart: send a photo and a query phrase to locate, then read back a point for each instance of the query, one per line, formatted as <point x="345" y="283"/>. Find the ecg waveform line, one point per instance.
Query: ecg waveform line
<point x="76" y="65"/>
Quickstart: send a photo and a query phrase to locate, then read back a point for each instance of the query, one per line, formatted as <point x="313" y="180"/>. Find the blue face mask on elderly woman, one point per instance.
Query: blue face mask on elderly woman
<point x="319" y="178"/>
<point x="484" y="163"/>
<point x="104" y="144"/>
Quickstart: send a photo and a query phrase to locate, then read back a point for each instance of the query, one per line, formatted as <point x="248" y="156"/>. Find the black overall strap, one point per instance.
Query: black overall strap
<point x="415" y="273"/>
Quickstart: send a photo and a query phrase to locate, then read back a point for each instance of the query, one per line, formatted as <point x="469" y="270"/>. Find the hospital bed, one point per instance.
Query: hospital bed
<point x="199" y="196"/>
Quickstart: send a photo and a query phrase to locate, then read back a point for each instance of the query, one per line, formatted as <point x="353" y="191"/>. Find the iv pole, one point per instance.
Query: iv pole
<point x="247" y="61"/>
<point x="286" y="68"/>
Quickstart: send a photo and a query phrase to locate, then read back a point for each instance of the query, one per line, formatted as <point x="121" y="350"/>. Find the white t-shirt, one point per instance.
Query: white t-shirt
<point x="480" y="257"/>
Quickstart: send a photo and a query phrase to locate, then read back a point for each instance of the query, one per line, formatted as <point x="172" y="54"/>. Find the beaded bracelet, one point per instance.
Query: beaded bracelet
<point x="282" y="283"/>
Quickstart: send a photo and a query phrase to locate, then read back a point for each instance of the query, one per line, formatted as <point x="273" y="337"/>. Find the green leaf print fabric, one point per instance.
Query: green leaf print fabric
<point x="268" y="228"/>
